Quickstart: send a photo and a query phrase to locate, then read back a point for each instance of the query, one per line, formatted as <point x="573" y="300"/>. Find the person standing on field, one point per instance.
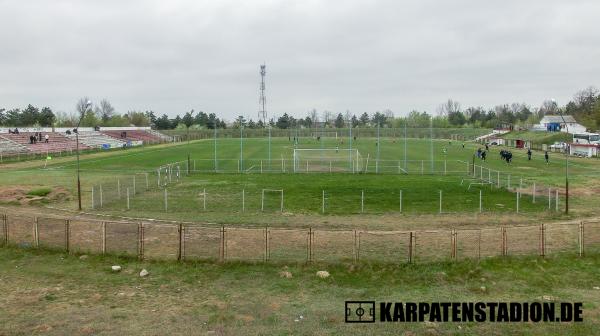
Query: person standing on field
<point x="529" y="154"/>
<point x="547" y="157"/>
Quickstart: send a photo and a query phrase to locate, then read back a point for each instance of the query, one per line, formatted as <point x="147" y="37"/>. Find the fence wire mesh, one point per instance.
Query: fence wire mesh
<point x="178" y="241"/>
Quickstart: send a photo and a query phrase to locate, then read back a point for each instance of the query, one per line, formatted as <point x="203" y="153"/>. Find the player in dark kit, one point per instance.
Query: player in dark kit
<point x="529" y="154"/>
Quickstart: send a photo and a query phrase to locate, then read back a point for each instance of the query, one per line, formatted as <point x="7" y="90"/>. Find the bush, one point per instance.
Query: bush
<point x="39" y="192"/>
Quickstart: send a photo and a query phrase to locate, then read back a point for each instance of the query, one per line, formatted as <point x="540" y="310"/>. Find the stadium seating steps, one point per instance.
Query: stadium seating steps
<point x="56" y="142"/>
<point x="134" y="135"/>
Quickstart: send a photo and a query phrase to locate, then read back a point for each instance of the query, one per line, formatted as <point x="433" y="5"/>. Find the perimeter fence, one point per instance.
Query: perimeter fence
<point x="187" y="241"/>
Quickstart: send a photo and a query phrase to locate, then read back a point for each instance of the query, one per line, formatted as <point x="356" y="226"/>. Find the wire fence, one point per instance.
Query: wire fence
<point x="185" y="241"/>
<point x="481" y="189"/>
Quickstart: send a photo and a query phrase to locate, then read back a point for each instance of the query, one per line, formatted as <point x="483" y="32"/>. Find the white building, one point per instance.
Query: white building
<point x="585" y="150"/>
<point x="555" y="123"/>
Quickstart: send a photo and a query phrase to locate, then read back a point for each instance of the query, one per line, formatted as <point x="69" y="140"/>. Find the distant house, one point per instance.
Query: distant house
<point x="556" y="123"/>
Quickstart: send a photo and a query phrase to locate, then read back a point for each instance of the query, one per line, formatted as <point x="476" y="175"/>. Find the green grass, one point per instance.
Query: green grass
<point x="303" y="191"/>
<point x="39" y="192"/>
<point x="63" y="294"/>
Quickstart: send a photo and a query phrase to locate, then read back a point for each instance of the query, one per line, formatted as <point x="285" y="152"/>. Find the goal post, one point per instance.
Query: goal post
<point x="327" y="160"/>
<point x="325" y="134"/>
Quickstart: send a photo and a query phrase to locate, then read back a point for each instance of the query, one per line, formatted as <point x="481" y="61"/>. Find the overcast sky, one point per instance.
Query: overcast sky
<point x="171" y="56"/>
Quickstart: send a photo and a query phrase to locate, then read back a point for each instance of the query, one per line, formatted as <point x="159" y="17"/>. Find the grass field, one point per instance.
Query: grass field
<point x="303" y="193"/>
<point x="53" y="293"/>
<point x="56" y="294"/>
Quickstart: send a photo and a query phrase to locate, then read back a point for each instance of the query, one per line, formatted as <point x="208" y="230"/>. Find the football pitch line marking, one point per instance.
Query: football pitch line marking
<point x="110" y="157"/>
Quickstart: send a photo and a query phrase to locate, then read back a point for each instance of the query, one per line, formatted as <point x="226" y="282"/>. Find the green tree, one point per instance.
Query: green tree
<point x="30" y="115"/>
<point x="46" y="117"/>
<point x="364" y="119"/>
<point x="339" y="121"/>
<point x="283" y="122"/>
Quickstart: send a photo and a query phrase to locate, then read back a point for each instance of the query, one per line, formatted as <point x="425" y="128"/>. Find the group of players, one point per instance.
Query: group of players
<point x="507" y="155"/>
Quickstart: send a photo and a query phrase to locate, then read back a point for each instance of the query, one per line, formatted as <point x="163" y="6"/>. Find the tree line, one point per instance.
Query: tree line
<point x="585" y="107"/>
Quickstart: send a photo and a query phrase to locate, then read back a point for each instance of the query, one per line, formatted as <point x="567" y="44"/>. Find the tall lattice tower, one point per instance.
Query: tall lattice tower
<point x="262" y="114"/>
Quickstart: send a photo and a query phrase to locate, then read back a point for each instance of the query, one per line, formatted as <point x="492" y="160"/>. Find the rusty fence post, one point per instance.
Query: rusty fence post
<point x="103" y="226"/>
<point x="542" y="240"/>
<point x="5" y="228"/>
<point x="266" y="258"/>
<point x="479" y="245"/>
<point x="454" y="244"/>
<point x="67" y="235"/>
<point x="36" y="232"/>
<point x="222" y="249"/>
<point x="141" y="241"/>
<point x="309" y="245"/>
<point x="179" y="246"/>
<point x="581" y="238"/>
<point x="410" y="247"/>
<point x="356" y="246"/>
<point x="504" y="241"/>
<point x="182" y="242"/>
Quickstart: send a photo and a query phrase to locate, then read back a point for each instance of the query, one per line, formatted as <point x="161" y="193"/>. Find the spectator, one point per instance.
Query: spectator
<point x="46" y="138"/>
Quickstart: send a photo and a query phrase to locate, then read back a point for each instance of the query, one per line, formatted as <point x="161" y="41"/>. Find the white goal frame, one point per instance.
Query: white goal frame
<point x="351" y="157"/>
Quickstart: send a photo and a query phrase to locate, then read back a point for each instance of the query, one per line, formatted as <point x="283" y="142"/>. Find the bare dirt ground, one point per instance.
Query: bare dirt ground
<point x="19" y="195"/>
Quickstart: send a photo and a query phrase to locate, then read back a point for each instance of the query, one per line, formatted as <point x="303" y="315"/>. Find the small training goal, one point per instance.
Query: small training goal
<point x="327" y="160"/>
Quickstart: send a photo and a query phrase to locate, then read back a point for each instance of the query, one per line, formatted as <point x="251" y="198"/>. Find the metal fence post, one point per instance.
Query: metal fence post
<point x="440" y="201"/>
<point x="533" y="198"/>
<point x="480" y="200"/>
<point x="556" y="201"/>
<point x="362" y="201"/>
<point x="400" y="200"/>
<point x="166" y="200"/>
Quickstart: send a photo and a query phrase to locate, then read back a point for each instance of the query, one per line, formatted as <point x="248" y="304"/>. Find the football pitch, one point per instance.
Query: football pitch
<point x="260" y="181"/>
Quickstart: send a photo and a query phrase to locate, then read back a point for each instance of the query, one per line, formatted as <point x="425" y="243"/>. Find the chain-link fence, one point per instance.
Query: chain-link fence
<point x="179" y="241"/>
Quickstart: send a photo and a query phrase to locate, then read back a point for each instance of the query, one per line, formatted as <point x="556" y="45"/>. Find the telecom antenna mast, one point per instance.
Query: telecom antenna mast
<point x="262" y="114"/>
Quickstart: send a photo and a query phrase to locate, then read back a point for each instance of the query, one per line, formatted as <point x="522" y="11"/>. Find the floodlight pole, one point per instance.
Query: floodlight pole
<point x="86" y="106"/>
<point x="405" y="122"/>
<point x="215" y="131"/>
<point x="431" y="141"/>
<point x="350" y="142"/>
<point x="241" y="146"/>
<point x="378" y="146"/>
<point x="567" y="149"/>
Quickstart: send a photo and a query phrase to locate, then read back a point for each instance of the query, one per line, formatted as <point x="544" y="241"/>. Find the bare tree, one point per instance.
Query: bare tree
<point x="106" y="110"/>
<point x="389" y="114"/>
<point x="82" y="105"/>
<point x="586" y="97"/>
<point x="548" y="107"/>
<point x="314" y="116"/>
<point x="327" y="116"/>
<point x="449" y="107"/>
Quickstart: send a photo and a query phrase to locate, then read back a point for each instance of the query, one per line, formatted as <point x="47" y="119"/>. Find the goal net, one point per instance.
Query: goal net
<point x="327" y="160"/>
<point x="325" y="134"/>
